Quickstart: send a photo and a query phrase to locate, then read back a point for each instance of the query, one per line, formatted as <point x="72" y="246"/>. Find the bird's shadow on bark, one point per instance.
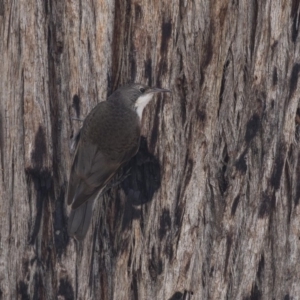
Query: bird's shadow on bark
<point x="139" y="179"/>
<point x="143" y="178"/>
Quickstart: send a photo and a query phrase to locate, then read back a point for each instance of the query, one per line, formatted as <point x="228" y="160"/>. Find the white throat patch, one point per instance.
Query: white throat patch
<point x="141" y="103"/>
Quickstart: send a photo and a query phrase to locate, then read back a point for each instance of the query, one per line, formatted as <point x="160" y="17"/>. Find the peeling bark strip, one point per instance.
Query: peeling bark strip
<point x="209" y="207"/>
<point x="294" y="78"/>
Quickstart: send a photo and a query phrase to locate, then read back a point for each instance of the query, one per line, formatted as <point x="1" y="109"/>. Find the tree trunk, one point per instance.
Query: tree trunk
<point x="210" y="205"/>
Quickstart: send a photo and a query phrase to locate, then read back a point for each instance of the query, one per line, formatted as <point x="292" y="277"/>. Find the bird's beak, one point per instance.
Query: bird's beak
<point x="158" y="90"/>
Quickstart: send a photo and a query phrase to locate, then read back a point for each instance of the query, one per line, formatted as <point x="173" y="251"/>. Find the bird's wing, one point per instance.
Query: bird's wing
<point x="90" y="172"/>
<point x="80" y="218"/>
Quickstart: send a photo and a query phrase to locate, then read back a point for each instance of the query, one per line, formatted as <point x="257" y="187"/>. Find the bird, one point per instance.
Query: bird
<point x="109" y="137"/>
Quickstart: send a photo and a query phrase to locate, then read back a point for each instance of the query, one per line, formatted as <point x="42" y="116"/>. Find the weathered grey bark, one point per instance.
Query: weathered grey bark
<point x="210" y="209"/>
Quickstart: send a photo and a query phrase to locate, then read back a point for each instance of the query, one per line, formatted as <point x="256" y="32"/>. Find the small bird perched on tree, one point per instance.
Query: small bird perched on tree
<point x="109" y="137"/>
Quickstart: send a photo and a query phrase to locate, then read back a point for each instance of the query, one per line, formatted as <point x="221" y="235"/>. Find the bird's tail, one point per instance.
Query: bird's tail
<point x="80" y="219"/>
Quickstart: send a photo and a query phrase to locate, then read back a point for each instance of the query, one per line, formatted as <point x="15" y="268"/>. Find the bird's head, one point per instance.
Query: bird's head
<point x="137" y="95"/>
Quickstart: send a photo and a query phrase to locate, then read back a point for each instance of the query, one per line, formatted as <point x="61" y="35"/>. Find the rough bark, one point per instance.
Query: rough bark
<point x="210" y="209"/>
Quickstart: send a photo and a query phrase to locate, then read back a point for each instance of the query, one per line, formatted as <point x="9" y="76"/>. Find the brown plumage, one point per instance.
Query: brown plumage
<point x="109" y="137"/>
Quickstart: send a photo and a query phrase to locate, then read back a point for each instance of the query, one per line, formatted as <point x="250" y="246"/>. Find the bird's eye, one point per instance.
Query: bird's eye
<point x="142" y="90"/>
